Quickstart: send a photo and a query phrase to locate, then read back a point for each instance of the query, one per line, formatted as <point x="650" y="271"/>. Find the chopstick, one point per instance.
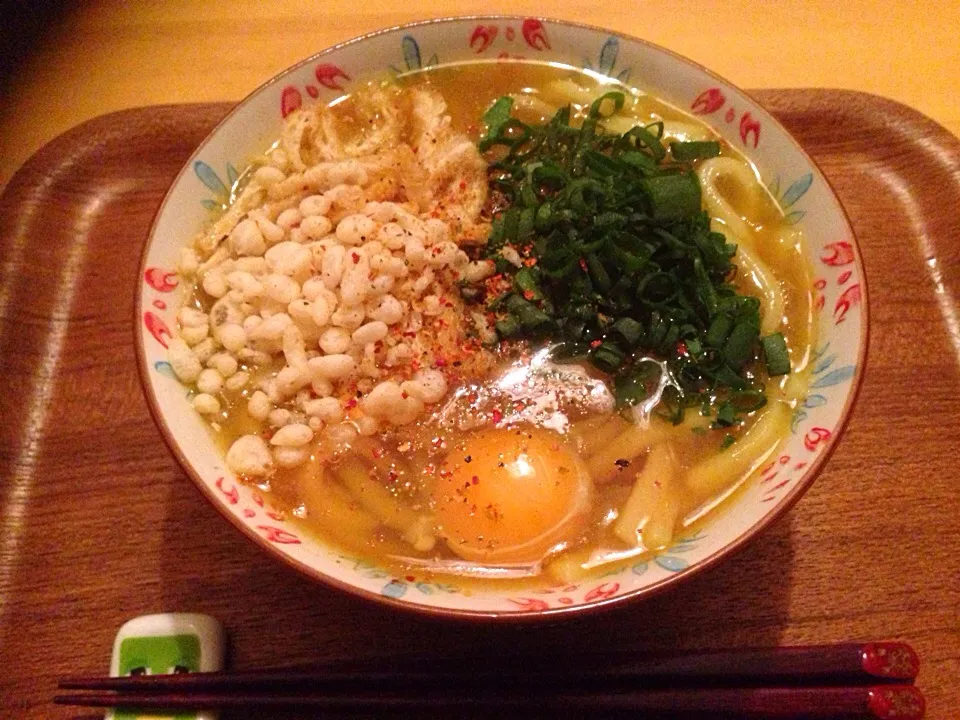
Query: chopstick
<point x="851" y="703"/>
<point x="841" y="664"/>
<point x="844" y="680"/>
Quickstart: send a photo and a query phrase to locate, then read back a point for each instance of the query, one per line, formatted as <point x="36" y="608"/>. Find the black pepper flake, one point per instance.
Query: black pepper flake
<point x="499" y="464"/>
<point x="622" y="463"/>
<point x="467" y="458"/>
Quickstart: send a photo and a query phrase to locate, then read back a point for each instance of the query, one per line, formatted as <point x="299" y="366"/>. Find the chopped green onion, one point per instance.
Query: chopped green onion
<point x="596" y="107"/>
<point x="511" y="221"/>
<point x="740" y="344"/>
<point x="608" y="357"/>
<point x="694" y="150"/>
<point x="598" y="273"/>
<point x="544" y="218"/>
<point x="642" y="137"/>
<point x="726" y="415"/>
<point x="498" y="115"/>
<point x="628" y="330"/>
<point x="525" y="223"/>
<point x="747" y="401"/>
<point x="526" y="282"/>
<point x="623" y="260"/>
<point x="673" y="197"/>
<point x="719" y="331"/>
<point x="728" y="378"/>
<point x="495" y="241"/>
<point x="775" y="354"/>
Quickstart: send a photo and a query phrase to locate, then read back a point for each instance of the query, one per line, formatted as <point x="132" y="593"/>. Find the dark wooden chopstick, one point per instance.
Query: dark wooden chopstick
<point x="829" y="681"/>
<point x="843" y="664"/>
<point x="850" y="703"/>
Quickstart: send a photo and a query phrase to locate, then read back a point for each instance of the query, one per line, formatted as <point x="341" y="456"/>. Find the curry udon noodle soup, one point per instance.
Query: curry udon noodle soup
<point x="497" y="324"/>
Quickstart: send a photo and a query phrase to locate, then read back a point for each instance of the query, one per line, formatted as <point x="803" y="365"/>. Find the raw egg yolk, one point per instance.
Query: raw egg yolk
<point x="510" y="495"/>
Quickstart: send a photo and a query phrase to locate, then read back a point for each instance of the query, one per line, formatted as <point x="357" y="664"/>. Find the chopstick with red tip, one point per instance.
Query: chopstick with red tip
<point x="841" y="664"/>
<point x="849" y="671"/>
<point x="904" y="702"/>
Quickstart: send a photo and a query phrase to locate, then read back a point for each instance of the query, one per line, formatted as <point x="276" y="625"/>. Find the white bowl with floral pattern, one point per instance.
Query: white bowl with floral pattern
<point x="798" y="185"/>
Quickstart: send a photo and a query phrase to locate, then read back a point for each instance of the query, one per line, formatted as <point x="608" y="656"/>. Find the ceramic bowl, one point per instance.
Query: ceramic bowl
<point x="791" y="176"/>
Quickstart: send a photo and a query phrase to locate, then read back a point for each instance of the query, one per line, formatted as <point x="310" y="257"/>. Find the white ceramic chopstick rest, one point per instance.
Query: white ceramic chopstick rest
<point x="167" y="643"/>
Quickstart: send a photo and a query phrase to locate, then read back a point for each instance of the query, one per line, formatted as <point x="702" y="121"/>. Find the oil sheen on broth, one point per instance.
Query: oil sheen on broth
<point x="525" y="467"/>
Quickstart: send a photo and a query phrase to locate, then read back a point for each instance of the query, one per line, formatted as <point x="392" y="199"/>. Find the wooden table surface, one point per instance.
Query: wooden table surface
<point x="111" y="54"/>
<point x="98" y="524"/>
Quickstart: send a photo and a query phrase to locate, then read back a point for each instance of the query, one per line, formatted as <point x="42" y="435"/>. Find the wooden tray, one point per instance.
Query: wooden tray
<point x="89" y="492"/>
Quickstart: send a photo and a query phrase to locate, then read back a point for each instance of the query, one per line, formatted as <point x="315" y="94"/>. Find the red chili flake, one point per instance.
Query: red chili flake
<point x="350" y="404"/>
<point x="378" y="452"/>
<point x="404" y="395"/>
<point x="529" y="294"/>
<point x="596" y="343"/>
<point x="475" y="480"/>
<point x="463" y="184"/>
<point x="583" y="264"/>
<point x="530" y="262"/>
<point x="355" y="257"/>
<point x="496" y="416"/>
<point x="409" y="578"/>
<point x="681" y="348"/>
<point x="440" y="362"/>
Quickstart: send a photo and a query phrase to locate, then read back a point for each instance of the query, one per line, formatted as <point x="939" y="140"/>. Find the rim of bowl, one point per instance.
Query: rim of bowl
<point x="787" y="502"/>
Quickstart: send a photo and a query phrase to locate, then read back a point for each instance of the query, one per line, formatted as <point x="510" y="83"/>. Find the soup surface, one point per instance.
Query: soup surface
<point x="386" y="339"/>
